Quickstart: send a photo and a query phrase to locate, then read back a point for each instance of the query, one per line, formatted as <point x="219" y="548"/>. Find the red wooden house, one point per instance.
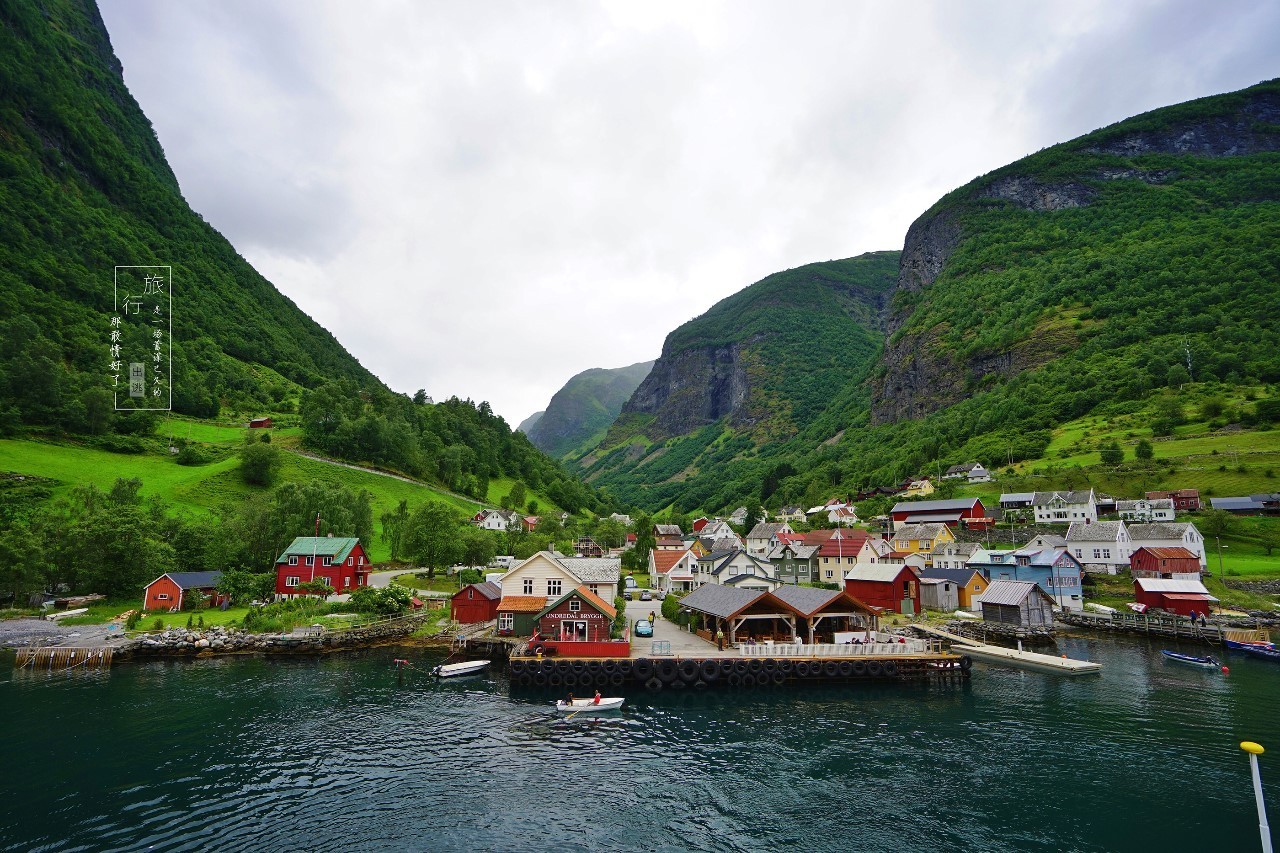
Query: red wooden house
<point x="1175" y="596"/>
<point x="1184" y="500"/>
<point x="888" y="586"/>
<point x="959" y="511"/>
<point x="170" y="591"/>
<point x="476" y="602"/>
<point x="339" y="561"/>
<point x="1169" y="563"/>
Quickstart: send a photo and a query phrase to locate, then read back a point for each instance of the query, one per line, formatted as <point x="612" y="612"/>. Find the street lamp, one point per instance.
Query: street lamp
<point x="1254" y="751"/>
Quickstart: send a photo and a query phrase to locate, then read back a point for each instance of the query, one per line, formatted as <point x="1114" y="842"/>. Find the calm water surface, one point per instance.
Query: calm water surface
<point x="335" y="754"/>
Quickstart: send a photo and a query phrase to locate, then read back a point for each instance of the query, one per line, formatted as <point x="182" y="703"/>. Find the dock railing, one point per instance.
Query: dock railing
<point x="834" y="650"/>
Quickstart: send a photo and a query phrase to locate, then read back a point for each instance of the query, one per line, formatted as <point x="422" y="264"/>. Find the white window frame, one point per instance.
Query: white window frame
<point x="528" y="586"/>
<point x="311" y="561"/>
<point x="292" y="580"/>
<point x="506" y="621"/>
<point x="326" y="561"/>
<point x="293" y="559"/>
<point x="555" y="587"/>
<point x="575" y="606"/>
<point x="162" y="596"/>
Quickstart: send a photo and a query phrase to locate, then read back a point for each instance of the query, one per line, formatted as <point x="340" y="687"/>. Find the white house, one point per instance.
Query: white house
<point x="738" y="516"/>
<point x="1065" y="507"/>
<point x="972" y="471"/>
<point x="954" y="555"/>
<point x="1103" y="546"/>
<point x="552" y="575"/>
<point x="1158" y="509"/>
<point x="737" y="569"/>
<point x="498" y="519"/>
<point x="717" y="529"/>
<point x="1178" y="534"/>
<point x="764" y="536"/>
<point x="673" y="571"/>
<point x="790" y="513"/>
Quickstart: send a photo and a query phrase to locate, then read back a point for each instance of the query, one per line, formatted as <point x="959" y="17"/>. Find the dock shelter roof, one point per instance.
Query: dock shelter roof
<point x="807" y="600"/>
<point x="723" y="601"/>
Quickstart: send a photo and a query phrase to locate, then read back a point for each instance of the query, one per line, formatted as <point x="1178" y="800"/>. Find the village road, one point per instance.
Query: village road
<point x="683" y="644"/>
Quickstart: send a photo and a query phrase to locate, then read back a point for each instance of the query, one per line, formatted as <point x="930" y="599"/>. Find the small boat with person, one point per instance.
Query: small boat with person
<point x="450" y="670"/>
<point x="1208" y="662"/>
<point x="599" y="703"/>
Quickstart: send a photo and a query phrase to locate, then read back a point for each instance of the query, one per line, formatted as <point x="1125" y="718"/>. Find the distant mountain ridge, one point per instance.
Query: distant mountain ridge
<point x="527" y="423"/>
<point x="581" y="411"/>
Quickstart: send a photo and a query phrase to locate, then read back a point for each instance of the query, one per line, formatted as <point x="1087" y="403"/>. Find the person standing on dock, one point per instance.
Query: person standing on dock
<point x="720" y="639"/>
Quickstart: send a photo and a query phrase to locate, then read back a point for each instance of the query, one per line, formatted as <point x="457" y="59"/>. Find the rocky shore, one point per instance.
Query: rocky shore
<point x="220" y="640"/>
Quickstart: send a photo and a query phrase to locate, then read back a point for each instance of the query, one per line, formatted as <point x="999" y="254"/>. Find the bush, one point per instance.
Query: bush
<point x="157" y="625"/>
<point x="192" y="455"/>
<point x="387" y="601"/>
<point x="131" y="623"/>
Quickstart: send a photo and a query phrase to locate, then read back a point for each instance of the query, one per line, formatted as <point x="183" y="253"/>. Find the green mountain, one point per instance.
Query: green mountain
<point x="1089" y="277"/>
<point x="84" y="187"/>
<point x="763" y="373"/>
<point x="580" y="412"/>
<point x="527" y="423"/>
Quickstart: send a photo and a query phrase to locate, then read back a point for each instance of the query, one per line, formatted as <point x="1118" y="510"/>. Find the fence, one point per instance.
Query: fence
<point x="835" y="650"/>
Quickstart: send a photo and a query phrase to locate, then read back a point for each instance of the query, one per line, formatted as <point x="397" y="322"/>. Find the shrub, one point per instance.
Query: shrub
<point x="157" y="625"/>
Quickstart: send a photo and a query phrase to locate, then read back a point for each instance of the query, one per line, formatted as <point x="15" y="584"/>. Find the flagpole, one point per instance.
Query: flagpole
<point x="1254" y="750"/>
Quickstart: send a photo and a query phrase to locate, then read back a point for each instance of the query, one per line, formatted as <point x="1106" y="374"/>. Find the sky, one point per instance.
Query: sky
<point x="485" y="198"/>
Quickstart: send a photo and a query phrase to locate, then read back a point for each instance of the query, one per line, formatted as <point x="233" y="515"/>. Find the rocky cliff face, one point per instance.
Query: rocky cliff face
<point x="691" y="388"/>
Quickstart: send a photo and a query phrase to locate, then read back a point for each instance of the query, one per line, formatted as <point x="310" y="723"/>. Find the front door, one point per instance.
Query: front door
<point x="573" y="629"/>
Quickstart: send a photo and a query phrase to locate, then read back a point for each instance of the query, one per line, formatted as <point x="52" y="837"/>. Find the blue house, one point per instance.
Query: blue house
<point x="1052" y="568"/>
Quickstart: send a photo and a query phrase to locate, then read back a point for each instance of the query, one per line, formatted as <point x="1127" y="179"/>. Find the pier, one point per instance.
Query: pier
<point x="63" y="657"/>
<point x="1016" y="658"/>
<point x="1141" y="623"/>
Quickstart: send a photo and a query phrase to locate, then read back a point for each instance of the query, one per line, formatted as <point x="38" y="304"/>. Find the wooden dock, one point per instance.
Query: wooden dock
<point x="1141" y="623"/>
<point x="63" y="657"/>
<point x="1016" y="658"/>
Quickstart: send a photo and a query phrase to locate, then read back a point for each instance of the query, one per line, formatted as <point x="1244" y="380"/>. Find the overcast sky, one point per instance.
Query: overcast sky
<point x="485" y="198"/>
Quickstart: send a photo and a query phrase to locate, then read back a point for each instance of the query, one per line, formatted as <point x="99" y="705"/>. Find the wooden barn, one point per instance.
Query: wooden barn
<point x="939" y="594"/>
<point x="1022" y="604"/>
<point x="170" y="591"/>
<point x="476" y="602"/>
<point x="1175" y="596"/>
<point x="260" y="423"/>
<point x="889" y="586"/>
<point x="1167" y="563"/>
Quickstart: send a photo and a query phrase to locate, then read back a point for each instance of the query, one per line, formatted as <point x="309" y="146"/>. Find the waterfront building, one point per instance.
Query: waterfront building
<point x="577" y="616"/>
<point x="1177" y="534"/>
<point x="1167" y="563"/>
<point x="1100" y="546"/>
<point x="885" y="585"/>
<point x="1175" y="596"/>
<point x="970" y="584"/>
<point x="171" y="590"/>
<point x="475" y="602"/>
<point x="339" y="561"/>
<point x="551" y="575"/>
<point x="939" y="594"/>
<point x="1021" y="604"/>
<point x="518" y="614"/>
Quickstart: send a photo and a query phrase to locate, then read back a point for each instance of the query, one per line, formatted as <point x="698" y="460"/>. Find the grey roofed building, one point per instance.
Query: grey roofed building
<point x="593" y="569"/>
<point x="957" y="576"/>
<point x="718" y="600"/>
<point x="1016" y="500"/>
<point x="1159" y="530"/>
<point x="801" y="552"/>
<point x="918" y="531"/>
<point x="934" y="506"/>
<point x="1236" y="504"/>
<point x="489" y="590"/>
<point x="1012" y="592"/>
<point x="194" y="580"/>
<point x="1082" y="496"/>
<point x="806" y="599"/>
<point x="660" y="530"/>
<point x="765" y="529"/>
<point x="1099" y="531"/>
<point x="962" y="469"/>
<point x="1047" y="540"/>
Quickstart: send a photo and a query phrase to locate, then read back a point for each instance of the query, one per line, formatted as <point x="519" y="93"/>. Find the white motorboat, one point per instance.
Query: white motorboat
<point x="589" y="705"/>
<point x="450" y="670"/>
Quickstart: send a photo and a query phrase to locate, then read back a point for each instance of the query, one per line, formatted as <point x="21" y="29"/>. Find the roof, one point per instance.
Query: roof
<point x="1011" y="592"/>
<point x="806" y="599"/>
<point x="1082" y="496"/>
<point x="959" y="549"/>
<point x="932" y="517"/>
<point x="817" y="537"/>
<point x="1165" y="585"/>
<point x="718" y="600"/>
<point x="663" y="561"/>
<point x="848" y="544"/>
<point x="1154" y="503"/>
<point x="919" y="531"/>
<point x="875" y="572"/>
<point x="192" y="580"/>
<point x="667" y="530"/>
<point x="337" y="547"/>
<point x="765" y="530"/>
<point x="802" y="552"/>
<point x="1169" y="553"/>
<point x="1188" y="596"/>
<point x="523" y="603"/>
<point x="733" y="581"/>
<point x="1235" y="503"/>
<point x="593" y="569"/>
<point x="1099" y="531"/>
<point x="1047" y="540"/>
<point x="488" y="589"/>
<point x="1159" y="530"/>
<point x="586" y="595"/>
<point x="963" y="469"/>
<point x="1017" y="497"/>
<point x="959" y="576"/>
<point x="935" y="506"/>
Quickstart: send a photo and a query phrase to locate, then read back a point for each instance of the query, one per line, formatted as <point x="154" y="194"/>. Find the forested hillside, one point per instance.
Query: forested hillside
<point x="580" y="412"/>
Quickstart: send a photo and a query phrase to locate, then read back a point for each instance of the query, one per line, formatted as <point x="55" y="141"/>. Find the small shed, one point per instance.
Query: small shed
<point x="888" y="586"/>
<point x="476" y="602"/>
<point x="939" y="594"/>
<point x="170" y="591"/>
<point x="518" y="614"/>
<point x="1175" y="596"/>
<point x="1167" y="563"/>
<point x="1022" y="604"/>
<point x="260" y="423"/>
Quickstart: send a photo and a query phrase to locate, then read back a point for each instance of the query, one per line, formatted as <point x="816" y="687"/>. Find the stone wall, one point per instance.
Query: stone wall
<point x="221" y="640"/>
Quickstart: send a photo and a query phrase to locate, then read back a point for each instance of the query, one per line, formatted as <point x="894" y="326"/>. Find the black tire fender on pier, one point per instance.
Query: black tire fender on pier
<point x="617" y="679"/>
<point x="540" y="679"/>
<point x="518" y="667"/>
<point x="733" y="679"/>
<point x="875" y="668"/>
<point x="579" y="667"/>
<point x="624" y="668"/>
<point x="859" y="667"/>
<point x="803" y="670"/>
<point x="740" y="666"/>
<point x="845" y="668"/>
<point x="787" y="667"/>
<point x="890" y="668"/>
<point x="653" y="683"/>
<point x="966" y="663"/>
<point x="689" y="670"/>
<point x="755" y="666"/>
<point x="595" y="667"/>
<point x="643" y="668"/>
<point x="555" y="679"/>
<point x="709" y="670"/>
<point x="666" y="671"/>
<point x="609" y="667"/>
<point x="831" y="669"/>
<point x="749" y="680"/>
<point x="770" y="665"/>
<point x="778" y="678"/>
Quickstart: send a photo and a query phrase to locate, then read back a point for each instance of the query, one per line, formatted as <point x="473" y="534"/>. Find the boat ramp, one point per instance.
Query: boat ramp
<point x="1016" y="658"/>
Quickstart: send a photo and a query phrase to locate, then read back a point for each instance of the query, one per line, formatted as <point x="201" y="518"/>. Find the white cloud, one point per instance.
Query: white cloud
<point x="483" y="199"/>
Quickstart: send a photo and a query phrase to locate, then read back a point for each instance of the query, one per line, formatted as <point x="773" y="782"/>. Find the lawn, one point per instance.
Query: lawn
<point x="500" y="487"/>
<point x="440" y="583"/>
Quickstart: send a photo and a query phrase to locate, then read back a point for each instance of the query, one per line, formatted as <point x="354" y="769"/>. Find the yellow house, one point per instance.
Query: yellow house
<point x="922" y="539"/>
<point x="918" y="489"/>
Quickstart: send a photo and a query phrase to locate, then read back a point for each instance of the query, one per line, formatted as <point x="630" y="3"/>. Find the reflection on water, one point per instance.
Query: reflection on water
<point x="340" y="752"/>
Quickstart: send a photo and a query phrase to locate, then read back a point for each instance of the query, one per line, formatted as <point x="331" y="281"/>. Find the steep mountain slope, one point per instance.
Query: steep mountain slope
<point x="527" y="423"/>
<point x="581" y="411"/>
<point x="772" y="364"/>
<point x="84" y="186"/>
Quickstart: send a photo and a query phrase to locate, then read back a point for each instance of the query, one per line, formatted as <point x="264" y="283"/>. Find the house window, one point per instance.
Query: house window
<point x="1106" y="553"/>
<point x="311" y="561"/>
<point x="830" y="574"/>
<point x="1079" y="553"/>
<point x="528" y="586"/>
<point x="163" y="596"/>
<point x="346" y="582"/>
<point x="326" y="561"/>
<point x="595" y="588"/>
<point x="361" y="561"/>
<point x="553" y="586"/>
<point x="471" y="593"/>
<point x="293" y="561"/>
<point x="849" y="560"/>
<point x="1097" y="553"/>
<point x="349" y="559"/>
<point x="324" y="579"/>
<point x="506" y="621"/>
<point x="292" y="580"/>
<point x="575" y="605"/>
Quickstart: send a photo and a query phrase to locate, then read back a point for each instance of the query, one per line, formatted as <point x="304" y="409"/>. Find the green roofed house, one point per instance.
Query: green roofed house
<point x="339" y="561"/>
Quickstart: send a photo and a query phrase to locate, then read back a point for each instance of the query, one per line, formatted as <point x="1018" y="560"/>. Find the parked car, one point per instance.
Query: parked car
<point x="627" y="596"/>
<point x="644" y="628"/>
<point x="660" y="595"/>
<point x="645" y="595"/>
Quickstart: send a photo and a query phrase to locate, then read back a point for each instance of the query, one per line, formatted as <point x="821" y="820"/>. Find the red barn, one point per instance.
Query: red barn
<point x="260" y="423"/>
<point x="1168" y="563"/>
<point x="169" y="591"/>
<point x="888" y="586"/>
<point x="339" y="561"/>
<point x="967" y="511"/>
<point x="476" y="602"/>
<point x="1184" y="500"/>
<point x="1175" y="596"/>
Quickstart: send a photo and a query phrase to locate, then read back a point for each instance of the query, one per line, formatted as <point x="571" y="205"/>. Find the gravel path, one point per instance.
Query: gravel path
<point x="39" y="632"/>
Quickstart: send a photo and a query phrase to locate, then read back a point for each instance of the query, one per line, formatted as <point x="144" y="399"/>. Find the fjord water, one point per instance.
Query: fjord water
<point x="336" y="754"/>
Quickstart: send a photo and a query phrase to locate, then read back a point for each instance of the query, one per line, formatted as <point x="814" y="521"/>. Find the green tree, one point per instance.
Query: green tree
<point x="1111" y="453"/>
<point x="260" y="464"/>
<point x="516" y="497"/>
<point x="1269" y="537"/>
<point x="432" y="539"/>
<point x="1177" y="376"/>
<point x="479" y="547"/>
<point x="1144" y="450"/>
<point x="1217" y="523"/>
<point x="318" y="588"/>
<point x="241" y="587"/>
<point x="393" y="526"/>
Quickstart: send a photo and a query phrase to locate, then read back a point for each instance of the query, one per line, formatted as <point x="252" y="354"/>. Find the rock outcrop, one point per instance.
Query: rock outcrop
<point x="692" y="388"/>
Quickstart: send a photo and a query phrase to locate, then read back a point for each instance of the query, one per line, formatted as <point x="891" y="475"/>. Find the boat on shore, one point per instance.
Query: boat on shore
<point x="1266" y="652"/>
<point x="1209" y="662"/>
<point x="605" y="704"/>
<point x="451" y="670"/>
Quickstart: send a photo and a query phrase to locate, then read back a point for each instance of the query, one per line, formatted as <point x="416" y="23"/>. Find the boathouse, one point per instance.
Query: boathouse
<point x="170" y="591"/>
<point x="970" y="584"/>
<point x="1167" y="563"/>
<point x="339" y="561"/>
<point x="889" y="586"/>
<point x="1022" y="604"/>
<point x="1175" y="596"/>
<point x="578" y="624"/>
<point x="476" y="602"/>
<point x="939" y="594"/>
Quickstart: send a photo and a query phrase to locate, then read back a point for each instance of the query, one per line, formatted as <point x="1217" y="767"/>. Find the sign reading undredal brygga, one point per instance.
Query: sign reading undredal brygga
<point x="141" y="339"/>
